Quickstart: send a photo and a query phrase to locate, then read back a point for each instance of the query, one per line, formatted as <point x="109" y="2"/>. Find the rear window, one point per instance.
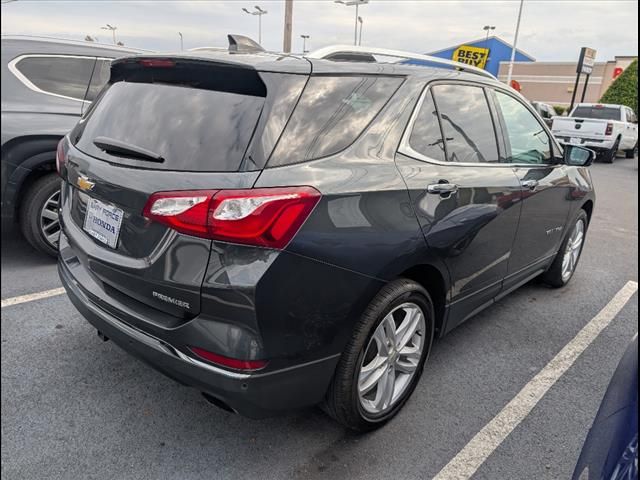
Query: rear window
<point x="600" y="113"/>
<point x="191" y="129"/>
<point x="331" y="114"/>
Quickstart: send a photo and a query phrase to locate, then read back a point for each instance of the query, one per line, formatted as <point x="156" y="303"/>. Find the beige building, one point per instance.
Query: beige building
<point x="553" y="82"/>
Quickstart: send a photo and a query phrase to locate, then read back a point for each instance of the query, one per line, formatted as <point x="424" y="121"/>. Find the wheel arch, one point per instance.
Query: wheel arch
<point x="32" y="156"/>
<point x="588" y="208"/>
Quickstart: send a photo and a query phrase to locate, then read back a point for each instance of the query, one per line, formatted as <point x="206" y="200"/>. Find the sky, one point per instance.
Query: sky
<point x="552" y="30"/>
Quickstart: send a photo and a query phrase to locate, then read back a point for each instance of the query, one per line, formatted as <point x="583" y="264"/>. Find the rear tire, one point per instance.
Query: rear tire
<point x="557" y="275"/>
<point x="610" y="156"/>
<point x="346" y="400"/>
<point x="38" y="214"/>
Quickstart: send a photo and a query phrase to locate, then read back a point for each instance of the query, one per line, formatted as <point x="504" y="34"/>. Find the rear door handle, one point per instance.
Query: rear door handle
<point x="442" y="188"/>
<point x="530" y="184"/>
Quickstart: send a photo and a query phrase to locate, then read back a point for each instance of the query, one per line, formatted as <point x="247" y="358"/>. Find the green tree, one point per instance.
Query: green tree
<point x="624" y="89"/>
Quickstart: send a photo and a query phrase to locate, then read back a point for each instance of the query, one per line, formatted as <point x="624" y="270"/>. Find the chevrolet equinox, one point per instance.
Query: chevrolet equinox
<point x="281" y="231"/>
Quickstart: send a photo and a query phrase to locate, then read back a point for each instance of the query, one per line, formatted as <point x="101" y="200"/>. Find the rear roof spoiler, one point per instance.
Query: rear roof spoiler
<point x="340" y="52"/>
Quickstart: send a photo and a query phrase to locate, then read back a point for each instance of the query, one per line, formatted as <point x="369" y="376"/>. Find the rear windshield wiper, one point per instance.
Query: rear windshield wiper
<point x="113" y="146"/>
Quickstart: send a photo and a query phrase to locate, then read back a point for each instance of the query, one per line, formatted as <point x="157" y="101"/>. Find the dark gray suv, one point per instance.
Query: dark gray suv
<point x="281" y="231"/>
<point x="46" y="85"/>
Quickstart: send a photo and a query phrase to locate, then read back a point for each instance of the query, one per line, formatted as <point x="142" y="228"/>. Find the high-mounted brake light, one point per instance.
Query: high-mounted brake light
<point x="267" y="217"/>
<point x="157" y="62"/>
<point x="61" y="155"/>
<point x="609" y="129"/>
<point x="229" y="362"/>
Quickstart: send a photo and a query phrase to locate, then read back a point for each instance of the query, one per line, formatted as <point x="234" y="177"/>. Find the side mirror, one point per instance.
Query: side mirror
<point x="578" y="156"/>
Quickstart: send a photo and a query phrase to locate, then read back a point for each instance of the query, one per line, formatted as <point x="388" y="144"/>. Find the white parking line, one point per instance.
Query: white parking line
<point x="8" y="302"/>
<point x="474" y="454"/>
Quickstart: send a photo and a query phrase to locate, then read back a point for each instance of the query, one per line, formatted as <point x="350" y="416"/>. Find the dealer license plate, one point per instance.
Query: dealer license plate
<point x="103" y="221"/>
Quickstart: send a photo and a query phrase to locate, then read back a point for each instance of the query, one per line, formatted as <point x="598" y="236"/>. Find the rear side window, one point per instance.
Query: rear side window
<point x="597" y="112"/>
<point x="191" y="129"/>
<point x="331" y="113"/>
<point x="99" y="78"/>
<point x="66" y="76"/>
<point x="467" y="124"/>
<point x="426" y="136"/>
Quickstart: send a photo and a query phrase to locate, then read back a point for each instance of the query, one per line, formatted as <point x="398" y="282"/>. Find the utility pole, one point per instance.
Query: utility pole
<point x="515" y="44"/>
<point x="288" y="26"/>
<point x="351" y="3"/>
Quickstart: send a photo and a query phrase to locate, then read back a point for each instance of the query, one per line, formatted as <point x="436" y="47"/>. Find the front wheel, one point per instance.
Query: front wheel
<point x="566" y="261"/>
<point x="631" y="153"/>
<point x="382" y="363"/>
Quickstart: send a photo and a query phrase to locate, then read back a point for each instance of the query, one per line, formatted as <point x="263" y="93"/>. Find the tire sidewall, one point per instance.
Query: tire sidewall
<point x="421" y="299"/>
<point x="30" y="212"/>
<point x="582" y="215"/>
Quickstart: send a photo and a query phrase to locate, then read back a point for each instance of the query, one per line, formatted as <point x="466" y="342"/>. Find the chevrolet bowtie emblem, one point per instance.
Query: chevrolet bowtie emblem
<point x="85" y="184"/>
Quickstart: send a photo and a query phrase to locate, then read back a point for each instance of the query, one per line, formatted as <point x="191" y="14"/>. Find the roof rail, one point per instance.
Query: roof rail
<point x="328" y="52"/>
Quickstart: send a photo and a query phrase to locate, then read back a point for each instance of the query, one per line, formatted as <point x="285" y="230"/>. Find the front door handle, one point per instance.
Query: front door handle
<point x="442" y="188"/>
<point x="530" y="184"/>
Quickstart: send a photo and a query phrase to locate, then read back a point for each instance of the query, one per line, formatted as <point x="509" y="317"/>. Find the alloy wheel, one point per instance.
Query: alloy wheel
<point x="572" y="250"/>
<point x="391" y="358"/>
<point x="49" y="220"/>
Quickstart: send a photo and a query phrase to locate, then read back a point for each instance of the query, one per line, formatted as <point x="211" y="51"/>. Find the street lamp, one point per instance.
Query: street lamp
<point x="515" y="45"/>
<point x="488" y="28"/>
<point x="259" y="12"/>
<point x="361" y="22"/>
<point x="304" y="43"/>
<point x="181" y="41"/>
<point x="113" y="31"/>
<point x="350" y="3"/>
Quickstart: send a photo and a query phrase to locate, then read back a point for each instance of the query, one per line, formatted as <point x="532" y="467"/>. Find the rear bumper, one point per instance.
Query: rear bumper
<point x="254" y="395"/>
<point x="593" y="144"/>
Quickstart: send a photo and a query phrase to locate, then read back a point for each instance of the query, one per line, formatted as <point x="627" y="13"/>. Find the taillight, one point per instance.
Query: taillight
<point x="229" y="362"/>
<point x="609" y="129"/>
<point x="267" y="217"/>
<point x="61" y="155"/>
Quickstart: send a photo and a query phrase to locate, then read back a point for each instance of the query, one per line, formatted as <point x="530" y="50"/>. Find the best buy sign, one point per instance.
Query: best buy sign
<point x="475" y="56"/>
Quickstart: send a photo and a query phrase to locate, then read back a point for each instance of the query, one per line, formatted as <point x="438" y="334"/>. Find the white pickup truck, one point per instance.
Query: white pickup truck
<point x="607" y="129"/>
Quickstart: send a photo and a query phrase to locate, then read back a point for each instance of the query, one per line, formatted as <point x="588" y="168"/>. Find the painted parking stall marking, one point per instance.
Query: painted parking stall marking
<point x="483" y="444"/>
<point x="8" y="302"/>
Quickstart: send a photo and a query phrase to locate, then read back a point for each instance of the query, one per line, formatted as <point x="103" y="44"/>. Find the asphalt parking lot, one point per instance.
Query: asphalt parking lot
<point x="75" y="407"/>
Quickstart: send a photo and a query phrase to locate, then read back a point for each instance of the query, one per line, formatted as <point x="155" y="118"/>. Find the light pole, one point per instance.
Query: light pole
<point x="361" y="22"/>
<point x="113" y="31"/>
<point x="350" y="3"/>
<point x="515" y="43"/>
<point x="304" y="43"/>
<point x="259" y="12"/>
<point x="488" y="28"/>
<point x="181" y="41"/>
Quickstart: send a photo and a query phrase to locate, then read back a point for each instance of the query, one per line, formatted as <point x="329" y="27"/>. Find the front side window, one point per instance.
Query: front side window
<point x="528" y="140"/>
<point x="467" y="124"/>
<point x="66" y="76"/>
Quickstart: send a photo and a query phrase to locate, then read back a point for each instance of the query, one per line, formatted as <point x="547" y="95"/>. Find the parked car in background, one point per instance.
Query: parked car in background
<point x="46" y="85"/>
<point x="605" y="128"/>
<point x="611" y="448"/>
<point x="546" y="111"/>
<point x="279" y="231"/>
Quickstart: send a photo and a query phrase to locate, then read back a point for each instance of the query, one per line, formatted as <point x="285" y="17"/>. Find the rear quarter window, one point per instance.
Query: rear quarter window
<point x="332" y="112"/>
<point x="58" y="75"/>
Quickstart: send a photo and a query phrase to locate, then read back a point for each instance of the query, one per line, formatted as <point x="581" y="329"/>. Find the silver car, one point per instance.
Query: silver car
<point x="46" y="85"/>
